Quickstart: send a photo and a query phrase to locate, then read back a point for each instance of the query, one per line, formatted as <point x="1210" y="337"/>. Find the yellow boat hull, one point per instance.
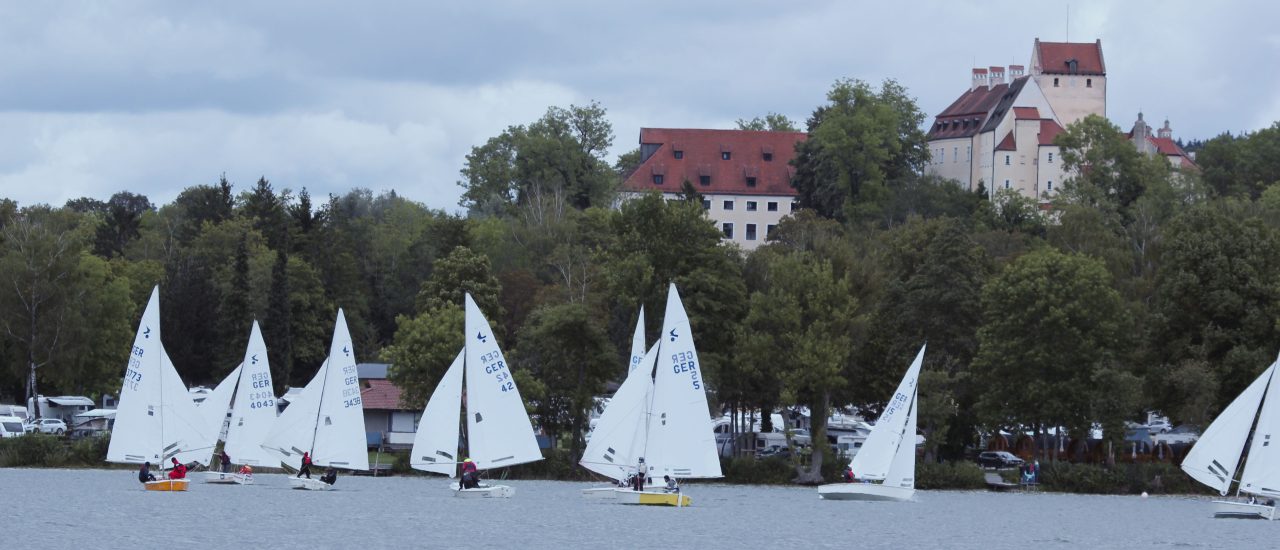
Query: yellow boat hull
<point x="652" y="498"/>
<point x="167" y="485"/>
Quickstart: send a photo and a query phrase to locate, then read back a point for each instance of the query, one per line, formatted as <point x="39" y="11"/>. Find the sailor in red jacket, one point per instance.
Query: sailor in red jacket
<point x="306" y="465"/>
<point x="469" y="474"/>
<point x="179" y="470"/>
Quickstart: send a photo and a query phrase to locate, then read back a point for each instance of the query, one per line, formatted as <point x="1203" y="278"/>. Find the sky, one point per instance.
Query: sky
<point x="151" y="97"/>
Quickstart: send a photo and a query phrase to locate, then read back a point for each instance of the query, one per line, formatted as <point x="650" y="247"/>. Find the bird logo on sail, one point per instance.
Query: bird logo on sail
<point x="146" y="333"/>
<point x="346" y="351"/>
<point x="674" y="335"/>
<point x="253" y="359"/>
<point x="481" y="337"/>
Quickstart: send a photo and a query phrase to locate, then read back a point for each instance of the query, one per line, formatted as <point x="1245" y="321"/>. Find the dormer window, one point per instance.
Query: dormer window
<point x="751" y="181"/>
<point x="768" y="157"/>
<point x="678" y="154"/>
<point x="725" y="155"/>
<point x="657" y="179"/>
<point x="704" y="180"/>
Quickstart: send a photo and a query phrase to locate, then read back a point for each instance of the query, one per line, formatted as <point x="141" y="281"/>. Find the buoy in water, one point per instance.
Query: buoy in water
<point x="1144" y="494"/>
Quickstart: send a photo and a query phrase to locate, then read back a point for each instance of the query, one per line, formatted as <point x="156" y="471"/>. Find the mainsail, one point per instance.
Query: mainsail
<point x="895" y="429"/>
<point x="498" y="429"/>
<point x="255" y="406"/>
<point x="1214" y="457"/>
<point x="435" y="446"/>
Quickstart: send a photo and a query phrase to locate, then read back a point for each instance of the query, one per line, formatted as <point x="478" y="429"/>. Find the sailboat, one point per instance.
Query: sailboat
<point x="326" y="420"/>
<point x="251" y="416"/>
<point x="498" y="430"/>
<point x="156" y="420"/>
<point x="1215" y="457"/>
<point x="886" y="463"/>
<point x="658" y="423"/>
<point x="632" y="383"/>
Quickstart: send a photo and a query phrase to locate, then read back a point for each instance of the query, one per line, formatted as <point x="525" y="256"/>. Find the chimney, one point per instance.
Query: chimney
<point x="996" y="77"/>
<point x="1016" y="71"/>
<point x="979" y="79"/>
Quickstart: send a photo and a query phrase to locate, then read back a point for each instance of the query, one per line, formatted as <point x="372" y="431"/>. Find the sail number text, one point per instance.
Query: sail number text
<point x="351" y="395"/>
<point x="684" y="362"/>
<point x="499" y="370"/>
<point x="131" y="376"/>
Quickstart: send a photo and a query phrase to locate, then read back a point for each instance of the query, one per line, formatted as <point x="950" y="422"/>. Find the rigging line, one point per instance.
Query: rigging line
<point x="319" y="406"/>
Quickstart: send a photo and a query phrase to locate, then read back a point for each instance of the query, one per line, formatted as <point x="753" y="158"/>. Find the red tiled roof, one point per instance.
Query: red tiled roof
<point x="1169" y="148"/>
<point x="979" y="71"/>
<point x="1055" y="55"/>
<point x="1049" y="129"/>
<point x="1031" y="113"/>
<point x="702" y="156"/>
<point x="1007" y="143"/>
<point x="380" y="395"/>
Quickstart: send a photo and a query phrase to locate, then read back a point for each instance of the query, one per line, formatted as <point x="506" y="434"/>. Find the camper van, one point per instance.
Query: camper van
<point x="11" y="426"/>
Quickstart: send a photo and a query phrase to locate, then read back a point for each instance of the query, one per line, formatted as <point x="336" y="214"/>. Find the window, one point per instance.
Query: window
<point x="704" y="180"/>
<point x="1048" y="186"/>
<point x="706" y="204"/>
<point x="725" y="155"/>
<point x="955" y="154"/>
<point x="1055" y="83"/>
<point x="679" y="154"/>
<point x="942" y="155"/>
<point x="728" y="205"/>
<point x="1050" y="158"/>
<point x="727" y="228"/>
<point x="1006" y="184"/>
<point x="1088" y="83"/>
<point x="751" y="206"/>
<point x="768" y="231"/>
<point x="751" y="181"/>
<point x="657" y="179"/>
<point x="1006" y="159"/>
<point x="793" y="206"/>
<point x="751" y="232"/>
<point x="968" y="153"/>
<point x="773" y="206"/>
<point x="1022" y="159"/>
<point x="768" y="157"/>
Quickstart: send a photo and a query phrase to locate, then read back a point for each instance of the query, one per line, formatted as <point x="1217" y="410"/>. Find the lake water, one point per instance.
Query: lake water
<point x="108" y="509"/>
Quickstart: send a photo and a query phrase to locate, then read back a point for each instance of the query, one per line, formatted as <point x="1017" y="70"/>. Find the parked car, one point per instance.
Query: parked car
<point x="47" y="426"/>
<point x="998" y="459"/>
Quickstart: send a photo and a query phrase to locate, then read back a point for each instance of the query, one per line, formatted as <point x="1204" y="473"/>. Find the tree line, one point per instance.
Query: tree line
<point x="1138" y="287"/>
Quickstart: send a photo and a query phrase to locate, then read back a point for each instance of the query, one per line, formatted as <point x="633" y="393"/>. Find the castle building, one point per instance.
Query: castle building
<point x="744" y="176"/>
<point x="1161" y="143"/>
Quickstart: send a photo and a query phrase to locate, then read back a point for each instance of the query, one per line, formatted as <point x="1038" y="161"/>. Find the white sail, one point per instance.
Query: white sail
<point x="637" y="343"/>
<point x="881" y="447"/>
<point x="681" y="442"/>
<point x="339" y="439"/>
<point x="293" y="432"/>
<point x="136" y="436"/>
<point x="1261" y="473"/>
<point x="902" y="470"/>
<point x="215" y="405"/>
<point x="498" y="429"/>
<point x="435" y="446"/>
<point x="1214" y="457"/>
<point x="255" y="406"/>
<point x="155" y="419"/>
<point x="617" y="441"/>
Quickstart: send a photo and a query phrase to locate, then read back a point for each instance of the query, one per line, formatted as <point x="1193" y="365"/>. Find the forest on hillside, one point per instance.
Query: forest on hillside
<point x="1138" y="288"/>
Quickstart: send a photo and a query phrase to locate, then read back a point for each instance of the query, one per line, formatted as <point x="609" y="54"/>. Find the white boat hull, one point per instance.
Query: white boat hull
<point x="651" y="498"/>
<point x="865" y="491"/>
<point x="1243" y="510"/>
<point x="309" y="484"/>
<point x="485" y="491"/>
<point x="599" y="493"/>
<point x="226" y="478"/>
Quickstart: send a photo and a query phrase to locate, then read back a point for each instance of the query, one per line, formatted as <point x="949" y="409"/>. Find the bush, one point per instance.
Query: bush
<point x="555" y="464"/>
<point x="1154" y="478"/>
<point x="33" y="450"/>
<point x="90" y="451"/>
<point x="769" y="471"/>
<point x="949" y="475"/>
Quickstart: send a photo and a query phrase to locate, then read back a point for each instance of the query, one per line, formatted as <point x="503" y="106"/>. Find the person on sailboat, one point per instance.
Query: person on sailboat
<point x="246" y="470"/>
<point x="672" y="486"/>
<point x="225" y="459"/>
<point x="306" y="465"/>
<point x="469" y="474"/>
<point x="638" y="482"/>
<point x="330" y="476"/>
<point x="179" y="470"/>
<point x="144" y="473"/>
<point x="848" y="475"/>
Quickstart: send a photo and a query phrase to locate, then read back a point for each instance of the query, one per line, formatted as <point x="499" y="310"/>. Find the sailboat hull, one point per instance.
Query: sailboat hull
<point x="651" y="498"/>
<point x="226" y="478"/>
<point x="309" y="484"/>
<point x="1242" y="510"/>
<point x="600" y="493"/>
<point x="485" y="491"/>
<point x="167" y="485"/>
<point x="865" y="491"/>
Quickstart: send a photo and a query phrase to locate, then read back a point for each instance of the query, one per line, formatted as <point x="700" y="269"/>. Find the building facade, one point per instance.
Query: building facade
<point x="743" y="176"/>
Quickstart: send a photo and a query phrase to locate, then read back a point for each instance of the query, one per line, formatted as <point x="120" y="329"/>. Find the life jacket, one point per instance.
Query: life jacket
<point x="306" y="460"/>
<point x="468" y="467"/>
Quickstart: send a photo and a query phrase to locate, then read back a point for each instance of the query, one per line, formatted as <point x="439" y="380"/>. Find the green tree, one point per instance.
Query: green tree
<point x="772" y="122"/>
<point x="1107" y="171"/>
<point x="278" y="323"/>
<point x="860" y="143"/>
<point x="457" y="274"/>
<point x="569" y="352"/>
<point x="121" y="221"/>
<point x="424" y="347"/>
<point x="1052" y="328"/>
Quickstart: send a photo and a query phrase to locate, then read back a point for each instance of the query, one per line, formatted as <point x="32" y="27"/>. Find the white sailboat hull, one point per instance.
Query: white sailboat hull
<point x="485" y="491"/>
<point x="227" y="478"/>
<point x="865" y="491"/>
<point x="1242" y="510"/>
<point x="599" y="493"/>
<point x="651" y="498"/>
<point x="309" y="484"/>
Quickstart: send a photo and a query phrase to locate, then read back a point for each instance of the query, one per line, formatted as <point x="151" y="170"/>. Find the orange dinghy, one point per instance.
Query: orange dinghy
<point x="167" y="485"/>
